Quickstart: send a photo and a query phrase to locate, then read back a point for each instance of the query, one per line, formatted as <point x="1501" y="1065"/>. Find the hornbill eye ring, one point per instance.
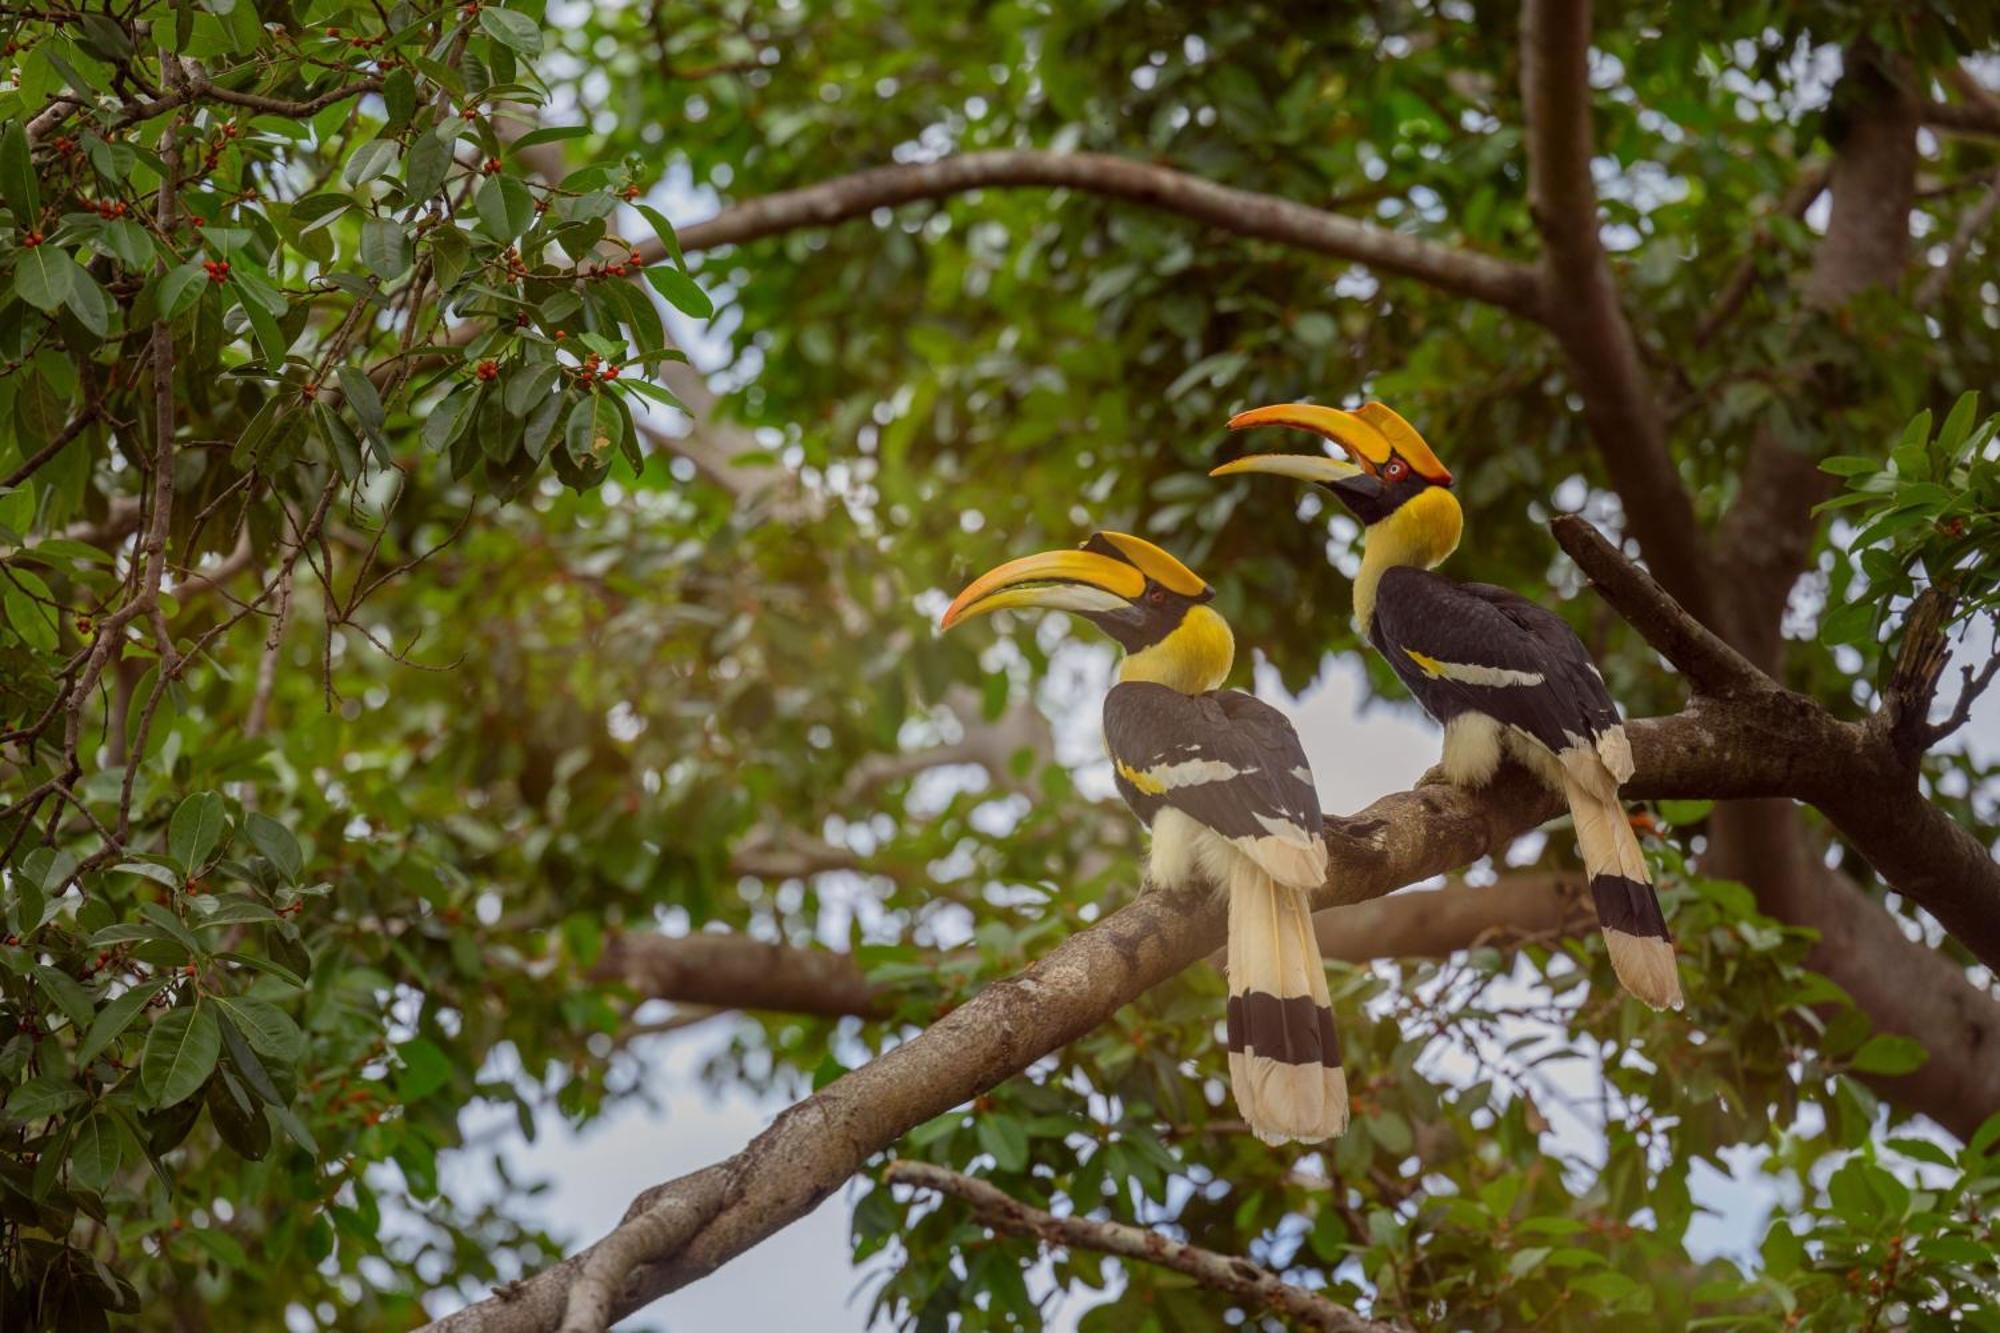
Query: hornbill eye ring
<point x="1394" y="469"/>
<point x="1157" y="596"/>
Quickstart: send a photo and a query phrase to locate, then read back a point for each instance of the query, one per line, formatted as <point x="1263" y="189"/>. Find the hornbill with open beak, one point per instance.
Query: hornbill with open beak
<point x="1503" y="675"/>
<point x="1220" y="779"/>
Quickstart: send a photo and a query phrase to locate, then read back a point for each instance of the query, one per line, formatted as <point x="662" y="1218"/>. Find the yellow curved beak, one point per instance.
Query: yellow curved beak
<point x="1056" y="580"/>
<point x="1303" y="467"/>
<point x="1359" y="438"/>
<point x="1371" y="435"/>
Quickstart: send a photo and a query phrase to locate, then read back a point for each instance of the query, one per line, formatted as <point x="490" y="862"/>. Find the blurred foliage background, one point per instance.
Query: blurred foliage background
<point x="383" y="636"/>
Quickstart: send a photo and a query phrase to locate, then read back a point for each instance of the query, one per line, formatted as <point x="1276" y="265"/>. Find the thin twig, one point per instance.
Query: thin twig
<point x="1249" y="1282"/>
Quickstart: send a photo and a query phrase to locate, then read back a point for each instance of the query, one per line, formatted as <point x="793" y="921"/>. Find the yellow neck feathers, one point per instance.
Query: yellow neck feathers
<point x="1421" y="532"/>
<point x="1194" y="659"/>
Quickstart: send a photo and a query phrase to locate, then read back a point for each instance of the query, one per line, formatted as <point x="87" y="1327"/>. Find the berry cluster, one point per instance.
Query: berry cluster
<point x="218" y="269"/>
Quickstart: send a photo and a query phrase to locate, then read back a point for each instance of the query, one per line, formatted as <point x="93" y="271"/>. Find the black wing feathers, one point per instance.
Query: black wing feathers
<point x="1450" y="624"/>
<point x="1259" y="770"/>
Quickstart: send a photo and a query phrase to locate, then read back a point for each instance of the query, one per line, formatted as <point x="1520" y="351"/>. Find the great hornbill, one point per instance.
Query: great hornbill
<point x="1220" y="779"/>
<point x="1503" y="675"/>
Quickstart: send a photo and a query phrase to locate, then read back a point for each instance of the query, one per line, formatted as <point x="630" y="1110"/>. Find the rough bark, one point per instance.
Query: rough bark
<point x="1579" y="303"/>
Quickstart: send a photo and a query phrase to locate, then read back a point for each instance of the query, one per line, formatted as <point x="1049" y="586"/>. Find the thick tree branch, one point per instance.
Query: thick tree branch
<point x="1258" y="1287"/>
<point x="1862" y="776"/>
<point x="1243" y="212"/>
<point x="1975" y="120"/>
<point x="661" y="1229"/>
<point x="1700" y="654"/>
<point x="1760" y="744"/>
<point x="1579" y="303"/>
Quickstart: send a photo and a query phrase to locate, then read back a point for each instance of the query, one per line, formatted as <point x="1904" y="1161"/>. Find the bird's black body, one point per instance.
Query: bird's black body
<point x="1504" y="676"/>
<point x="1425" y="621"/>
<point x="1235" y="766"/>
<point x="1151" y="730"/>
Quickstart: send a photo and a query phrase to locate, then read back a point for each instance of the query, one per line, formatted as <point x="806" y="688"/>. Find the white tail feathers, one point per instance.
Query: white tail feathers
<point x="1621" y="887"/>
<point x="1284" y="1061"/>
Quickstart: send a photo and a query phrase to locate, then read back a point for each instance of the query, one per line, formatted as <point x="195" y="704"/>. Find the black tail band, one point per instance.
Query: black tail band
<point x="1628" y="905"/>
<point x="1293" y="1031"/>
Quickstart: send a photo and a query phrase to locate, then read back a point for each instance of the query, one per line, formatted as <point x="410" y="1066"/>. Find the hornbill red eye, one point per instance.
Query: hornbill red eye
<point x="1157" y="596"/>
<point x="1395" y="470"/>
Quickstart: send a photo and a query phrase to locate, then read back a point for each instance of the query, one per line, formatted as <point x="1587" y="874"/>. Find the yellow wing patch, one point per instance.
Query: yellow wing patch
<point x="1430" y="666"/>
<point x="1144" y="781"/>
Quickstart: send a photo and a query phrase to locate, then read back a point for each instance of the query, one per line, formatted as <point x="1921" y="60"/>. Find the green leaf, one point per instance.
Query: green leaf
<point x="269" y="1029"/>
<point x="373" y="159"/>
<point x="1853" y="623"/>
<point x="450" y="418"/>
<point x="1886" y="1053"/>
<point x="180" y="1054"/>
<point x="44" y="277"/>
<point x="424" y="1069"/>
<point x="425" y="168"/>
<point x="528" y="385"/>
<point x="17" y="175"/>
<point x="179" y="289"/>
<point x="114" y="1018"/>
<point x="95" y="1152"/>
<point x="42" y="1097"/>
<point x="68" y="993"/>
<point x="665" y="231"/>
<point x="196" y="830"/>
<point x="681" y="292"/>
<point x="86" y="301"/>
<point x="276" y="844"/>
<point x="504" y="205"/>
<point x="385" y="248"/>
<point x="512" y="29"/>
<point x="1958" y="425"/>
<point x="367" y="405"/>
<point x="1006" y="1138"/>
<point x="548" y="134"/>
<point x="159" y="874"/>
<point x="170" y="925"/>
<point x="593" y="429"/>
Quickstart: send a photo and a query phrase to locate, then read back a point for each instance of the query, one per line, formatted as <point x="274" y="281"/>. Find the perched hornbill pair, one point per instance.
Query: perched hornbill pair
<point x="1220" y="779"/>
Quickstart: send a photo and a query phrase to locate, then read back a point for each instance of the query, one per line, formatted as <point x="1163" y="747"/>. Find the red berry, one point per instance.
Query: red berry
<point x="309" y="391"/>
<point x="486" y="370"/>
<point x="31" y="239"/>
<point x="611" y="372"/>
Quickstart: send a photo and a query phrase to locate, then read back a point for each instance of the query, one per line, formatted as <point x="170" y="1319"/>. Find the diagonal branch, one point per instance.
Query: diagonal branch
<point x="1246" y="213"/>
<point x="1862" y="776"/>
<point x="1760" y="744"/>
<point x="1579" y="303"/>
<point x="1256" y="1286"/>
<point x="1697" y="651"/>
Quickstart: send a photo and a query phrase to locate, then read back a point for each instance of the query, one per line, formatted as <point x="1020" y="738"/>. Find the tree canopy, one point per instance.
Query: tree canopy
<point x="413" y="670"/>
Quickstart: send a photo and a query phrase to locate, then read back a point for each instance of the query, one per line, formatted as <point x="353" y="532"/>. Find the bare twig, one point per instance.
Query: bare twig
<point x="57" y="443"/>
<point x="1258" y="1287"/>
